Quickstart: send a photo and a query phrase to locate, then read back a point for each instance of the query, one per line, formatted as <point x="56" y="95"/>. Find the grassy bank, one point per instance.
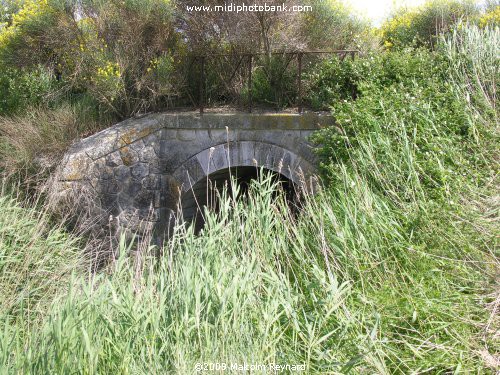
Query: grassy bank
<point x="391" y="268"/>
<point x="345" y="286"/>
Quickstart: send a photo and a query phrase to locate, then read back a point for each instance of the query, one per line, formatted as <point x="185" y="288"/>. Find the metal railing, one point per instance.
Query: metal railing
<point x="250" y="58"/>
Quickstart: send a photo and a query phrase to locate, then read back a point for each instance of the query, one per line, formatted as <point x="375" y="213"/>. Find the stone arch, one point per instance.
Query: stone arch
<point x="134" y="172"/>
<point x="244" y="159"/>
<point x="245" y="154"/>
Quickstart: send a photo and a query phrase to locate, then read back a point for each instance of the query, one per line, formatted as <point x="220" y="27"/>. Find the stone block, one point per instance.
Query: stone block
<point x="168" y="135"/>
<point x="114" y="159"/>
<point x="111" y="186"/>
<point x="139" y="170"/>
<point x="137" y="146"/>
<point x="121" y="172"/>
<point x="151" y="182"/>
<point x="186" y="135"/>
<point x="144" y="198"/>
<point x="128" y="156"/>
<point x="147" y="154"/>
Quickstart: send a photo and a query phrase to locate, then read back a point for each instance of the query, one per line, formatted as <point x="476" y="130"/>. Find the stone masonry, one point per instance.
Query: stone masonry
<point x="135" y="173"/>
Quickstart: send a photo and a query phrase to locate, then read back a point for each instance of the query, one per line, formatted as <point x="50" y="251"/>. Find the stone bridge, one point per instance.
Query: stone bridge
<point x="140" y="173"/>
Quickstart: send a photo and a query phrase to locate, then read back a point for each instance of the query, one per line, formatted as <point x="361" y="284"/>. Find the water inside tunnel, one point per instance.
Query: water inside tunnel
<point x="205" y="192"/>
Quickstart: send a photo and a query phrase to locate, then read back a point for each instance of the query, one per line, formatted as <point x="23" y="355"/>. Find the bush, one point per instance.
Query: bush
<point x="126" y="54"/>
<point x="332" y="26"/>
<point x="275" y="81"/>
<point x="406" y="106"/>
<point x="111" y="52"/>
<point x="385" y="270"/>
<point x="331" y="81"/>
<point x="22" y="88"/>
<point x="490" y="18"/>
<point x="133" y="59"/>
<point x="422" y="26"/>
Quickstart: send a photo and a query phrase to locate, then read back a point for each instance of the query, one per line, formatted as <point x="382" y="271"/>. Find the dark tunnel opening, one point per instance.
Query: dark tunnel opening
<point x="204" y="192"/>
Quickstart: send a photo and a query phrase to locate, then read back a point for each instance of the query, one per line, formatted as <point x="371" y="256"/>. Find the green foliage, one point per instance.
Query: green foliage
<point x="7" y="10"/>
<point x="128" y="45"/>
<point x="22" y="88"/>
<point x="331" y="25"/>
<point x="30" y="250"/>
<point x="106" y="53"/>
<point x="490" y="18"/>
<point x="331" y="81"/>
<point x="27" y="41"/>
<point x="414" y="138"/>
<point x="422" y="26"/>
<point x="343" y="286"/>
<point x="406" y="106"/>
<point x="131" y="56"/>
<point x="274" y="82"/>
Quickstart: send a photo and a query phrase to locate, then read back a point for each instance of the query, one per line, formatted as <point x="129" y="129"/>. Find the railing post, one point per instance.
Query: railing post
<point x="250" y="99"/>
<point x="202" y="81"/>
<point x="299" y="83"/>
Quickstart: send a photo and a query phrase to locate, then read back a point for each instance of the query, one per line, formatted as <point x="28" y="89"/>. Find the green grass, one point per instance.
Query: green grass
<point x="342" y="286"/>
<point x="392" y="268"/>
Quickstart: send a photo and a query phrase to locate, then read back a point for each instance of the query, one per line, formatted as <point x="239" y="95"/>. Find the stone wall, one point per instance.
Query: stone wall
<point x="134" y="173"/>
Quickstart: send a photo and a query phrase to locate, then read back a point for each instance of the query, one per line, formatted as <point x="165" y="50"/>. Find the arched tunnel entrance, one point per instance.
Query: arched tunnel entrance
<point x="130" y="178"/>
<point x="206" y="191"/>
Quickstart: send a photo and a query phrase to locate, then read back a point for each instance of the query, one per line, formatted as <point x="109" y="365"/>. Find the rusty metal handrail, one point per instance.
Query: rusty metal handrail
<point x="202" y="59"/>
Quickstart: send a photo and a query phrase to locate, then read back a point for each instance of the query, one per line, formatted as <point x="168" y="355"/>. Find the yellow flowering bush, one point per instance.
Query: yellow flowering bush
<point x="114" y="51"/>
<point x="29" y="11"/>
<point x="110" y="70"/>
<point x="107" y="83"/>
<point x="490" y="18"/>
<point x="421" y="26"/>
<point x="6" y="35"/>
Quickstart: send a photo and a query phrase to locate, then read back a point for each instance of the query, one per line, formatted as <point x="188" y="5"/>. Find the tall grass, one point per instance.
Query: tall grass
<point x="390" y="269"/>
<point x="474" y="55"/>
<point x="32" y="143"/>
<point x="340" y="287"/>
<point x="36" y="264"/>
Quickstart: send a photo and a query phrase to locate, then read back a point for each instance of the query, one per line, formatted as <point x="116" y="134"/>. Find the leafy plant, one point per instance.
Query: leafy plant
<point x="331" y="81"/>
<point x="422" y="26"/>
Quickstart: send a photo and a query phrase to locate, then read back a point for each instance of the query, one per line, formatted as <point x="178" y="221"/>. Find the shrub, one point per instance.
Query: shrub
<point x="331" y="81"/>
<point x="107" y="52"/>
<point x="332" y="26"/>
<point x="274" y="81"/>
<point x="406" y="106"/>
<point x="490" y="18"/>
<point x="30" y="37"/>
<point x="22" y="88"/>
<point x="129" y="45"/>
<point x="422" y="26"/>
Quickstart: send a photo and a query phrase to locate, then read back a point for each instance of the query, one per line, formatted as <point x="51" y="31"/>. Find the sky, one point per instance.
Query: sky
<point x="377" y="10"/>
